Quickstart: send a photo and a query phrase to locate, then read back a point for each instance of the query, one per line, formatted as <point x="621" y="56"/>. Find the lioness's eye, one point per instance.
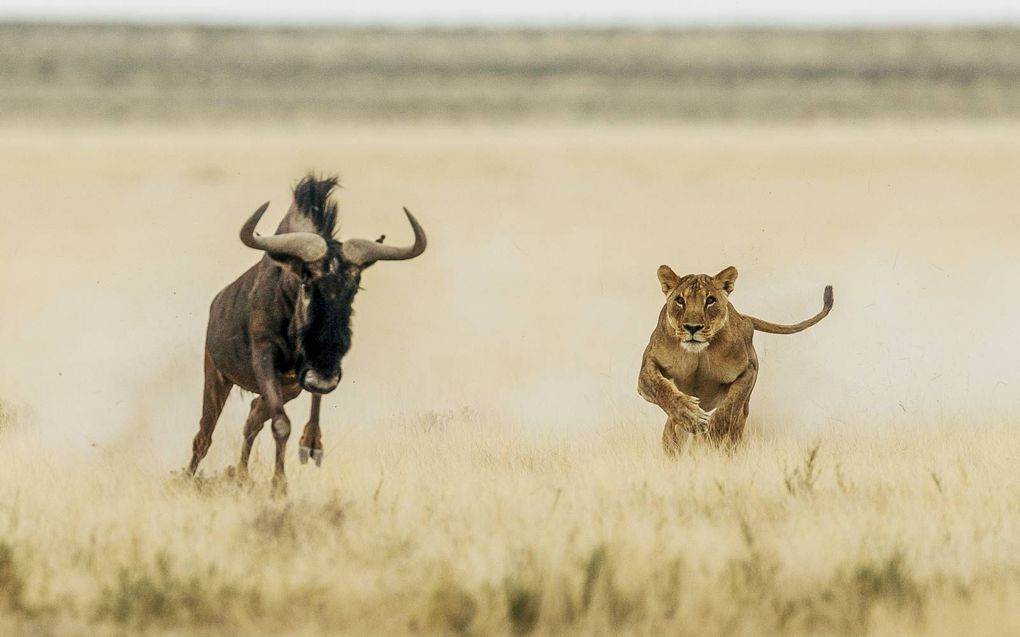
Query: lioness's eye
<point x="679" y="300"/>
<point x="710" y="300"/>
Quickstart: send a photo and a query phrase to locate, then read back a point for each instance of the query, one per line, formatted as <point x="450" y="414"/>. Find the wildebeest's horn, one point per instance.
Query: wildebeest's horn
<point x="306" y="246"/>
<point x="362" y="251"/>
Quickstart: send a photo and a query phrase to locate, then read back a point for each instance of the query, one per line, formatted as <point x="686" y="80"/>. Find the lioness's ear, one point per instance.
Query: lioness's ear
<point x="726" y="278"/>
<point x="668" y="279"/>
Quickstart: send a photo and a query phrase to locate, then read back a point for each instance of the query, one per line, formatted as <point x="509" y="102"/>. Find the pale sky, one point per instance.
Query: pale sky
<point x="525" y="12"/>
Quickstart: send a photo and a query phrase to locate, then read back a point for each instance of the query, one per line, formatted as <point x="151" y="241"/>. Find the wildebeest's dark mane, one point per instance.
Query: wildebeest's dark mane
<point x="312" y="198"/>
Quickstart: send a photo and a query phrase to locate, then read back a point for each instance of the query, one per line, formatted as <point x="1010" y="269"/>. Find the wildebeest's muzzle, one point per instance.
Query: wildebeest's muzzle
<point x="316" y="383"/>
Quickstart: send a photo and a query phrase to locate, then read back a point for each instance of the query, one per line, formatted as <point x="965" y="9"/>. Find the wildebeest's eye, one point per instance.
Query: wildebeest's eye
<point x="680" y="301"/>
<point x="710" y="300"/>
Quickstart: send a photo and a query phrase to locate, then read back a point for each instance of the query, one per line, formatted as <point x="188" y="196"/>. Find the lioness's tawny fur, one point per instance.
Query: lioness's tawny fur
<point x="700" y="365"/>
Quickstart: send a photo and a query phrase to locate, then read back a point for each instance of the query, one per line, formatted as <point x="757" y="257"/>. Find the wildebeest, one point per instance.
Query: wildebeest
<point x="285" y="324"/>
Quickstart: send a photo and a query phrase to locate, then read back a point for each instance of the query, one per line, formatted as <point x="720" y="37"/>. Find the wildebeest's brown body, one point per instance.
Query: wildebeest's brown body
<point x="284" y="325"/>
<point x="230" y="338"/>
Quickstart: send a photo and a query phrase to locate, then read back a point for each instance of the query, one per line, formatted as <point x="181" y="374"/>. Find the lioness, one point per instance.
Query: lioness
<point x="700" y="365"/>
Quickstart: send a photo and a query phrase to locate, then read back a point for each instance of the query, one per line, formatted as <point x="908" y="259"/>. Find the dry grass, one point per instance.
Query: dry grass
<point x="476" y="529"/>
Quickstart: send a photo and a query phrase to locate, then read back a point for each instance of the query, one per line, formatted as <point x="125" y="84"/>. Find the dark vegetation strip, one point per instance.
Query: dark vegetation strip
<point x="176" y="72"/>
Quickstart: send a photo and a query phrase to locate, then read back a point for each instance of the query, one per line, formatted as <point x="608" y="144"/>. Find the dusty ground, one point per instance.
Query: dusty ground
<point x="487" y="457"/>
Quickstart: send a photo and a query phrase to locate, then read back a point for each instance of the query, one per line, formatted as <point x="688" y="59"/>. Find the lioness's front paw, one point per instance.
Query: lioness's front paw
<point x="693" y="418"/>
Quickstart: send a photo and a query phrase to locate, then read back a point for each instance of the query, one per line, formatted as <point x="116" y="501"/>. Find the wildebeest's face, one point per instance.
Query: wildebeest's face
<point x="322" y="312"/>
<point x="325" y="274"/>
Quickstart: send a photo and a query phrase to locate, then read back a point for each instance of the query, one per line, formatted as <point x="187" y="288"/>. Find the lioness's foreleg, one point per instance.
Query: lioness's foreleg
<point x="683" y="410"/>
<point x="730" y="415"/>
<point x="675" y="437"/>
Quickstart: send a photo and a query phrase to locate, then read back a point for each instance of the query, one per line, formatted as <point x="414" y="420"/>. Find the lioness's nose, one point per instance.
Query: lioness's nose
<point x="693" y="329"/>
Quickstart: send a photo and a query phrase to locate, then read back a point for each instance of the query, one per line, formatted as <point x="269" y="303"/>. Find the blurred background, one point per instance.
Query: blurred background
<point x="557" y="152"/>
<point x="786" y="60"/>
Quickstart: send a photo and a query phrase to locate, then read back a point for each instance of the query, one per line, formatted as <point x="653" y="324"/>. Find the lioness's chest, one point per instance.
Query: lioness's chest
<point x="709" y="372"/>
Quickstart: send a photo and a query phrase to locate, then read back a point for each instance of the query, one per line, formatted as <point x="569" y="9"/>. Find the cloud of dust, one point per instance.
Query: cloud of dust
<point x="538" y="292"/>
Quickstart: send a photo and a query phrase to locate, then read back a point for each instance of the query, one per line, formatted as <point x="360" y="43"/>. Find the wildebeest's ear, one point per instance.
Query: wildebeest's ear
<point x="287" y="262"/>
<point x="668" y="279"/>
<point x="726" y="278"/>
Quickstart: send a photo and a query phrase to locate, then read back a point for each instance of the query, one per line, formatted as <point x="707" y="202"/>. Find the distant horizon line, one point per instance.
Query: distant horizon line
<point x="1011" y="23"/>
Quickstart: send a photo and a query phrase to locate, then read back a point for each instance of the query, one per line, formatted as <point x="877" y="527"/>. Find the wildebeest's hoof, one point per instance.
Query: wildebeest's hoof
<point x="303" y="453"/>
<point x="242" y="479"/>
<point x="317" y="457"/>
<point x="279" y="488"/>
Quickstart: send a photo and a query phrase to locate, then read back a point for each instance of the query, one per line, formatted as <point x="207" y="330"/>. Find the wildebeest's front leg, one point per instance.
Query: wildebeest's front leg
<point x="257" y="418"/>
<point x="730" y="415"/>
<point x="311" y="441"/>
<point x="272" y="393"/>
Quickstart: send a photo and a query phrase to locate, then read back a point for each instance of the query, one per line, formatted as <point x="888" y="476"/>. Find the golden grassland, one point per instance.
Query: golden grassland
<point x="489" y="466"/>
<point x="446" y="524"/>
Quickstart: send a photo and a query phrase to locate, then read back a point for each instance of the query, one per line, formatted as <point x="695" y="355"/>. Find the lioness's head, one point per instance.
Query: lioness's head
<point x="697" y="305"/>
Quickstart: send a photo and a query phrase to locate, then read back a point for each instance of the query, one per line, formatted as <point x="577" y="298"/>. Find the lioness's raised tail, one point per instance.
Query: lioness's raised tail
<point x="774" y="328"/>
